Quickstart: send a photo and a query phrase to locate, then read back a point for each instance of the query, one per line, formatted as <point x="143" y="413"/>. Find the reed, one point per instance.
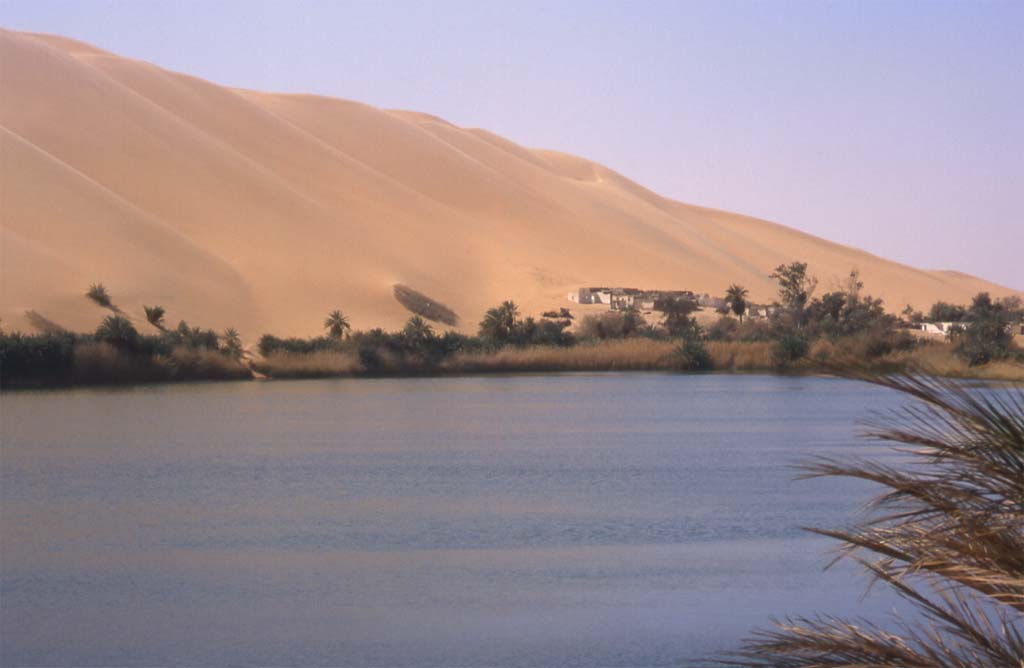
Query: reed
<point x="321" y="364"/>
<point x="610" y="355"/>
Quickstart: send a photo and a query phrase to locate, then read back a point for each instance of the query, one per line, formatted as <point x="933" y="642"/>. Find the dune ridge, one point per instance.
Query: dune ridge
<point x="265" y="211"/>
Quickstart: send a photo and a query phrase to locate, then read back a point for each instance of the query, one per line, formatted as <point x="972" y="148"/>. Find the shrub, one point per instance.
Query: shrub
<point x="269" y="344"/>
<point x="691" y="355"/>
<point x="789" y="348"/>
<point x="610" y="325"/>
<point x="943" y="312"/>
<point x="723" y="329"/>
<point x="40" y="359"/>
<point x="987" y="336"/>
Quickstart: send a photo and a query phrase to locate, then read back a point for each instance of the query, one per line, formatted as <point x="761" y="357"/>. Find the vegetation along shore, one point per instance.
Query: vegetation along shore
<point x="804" y="333"/>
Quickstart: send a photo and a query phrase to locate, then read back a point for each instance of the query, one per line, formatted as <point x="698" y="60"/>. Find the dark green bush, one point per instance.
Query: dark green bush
<point x="37" y="359"/>
<point x="789" y="348"/>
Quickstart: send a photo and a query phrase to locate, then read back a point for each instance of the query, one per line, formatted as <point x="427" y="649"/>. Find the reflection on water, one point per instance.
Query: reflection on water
<point x="598" y="520"/>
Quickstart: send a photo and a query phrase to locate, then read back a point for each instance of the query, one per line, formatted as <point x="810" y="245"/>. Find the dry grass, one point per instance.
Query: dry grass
<point x="322" y="364"/>
<point x="739" y="356"/>
<point x="939" y="359"/>
<point x="203" y="364"/>
<point x="947" y="535"/>
<point x="649" y="355"/>
<point x="617" y="355"/>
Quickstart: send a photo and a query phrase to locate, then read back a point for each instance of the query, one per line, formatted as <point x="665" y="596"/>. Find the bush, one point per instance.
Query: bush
<point x="723" y="329"/>
<point x="943" y="312"/>
<point x="987" y="336"/>
<point x="788" y="349"/>
<point x="985" y="340"/>
<point x="691" y="355"/>
<point x="39" y="359"/>
<point x="269" y="344"/>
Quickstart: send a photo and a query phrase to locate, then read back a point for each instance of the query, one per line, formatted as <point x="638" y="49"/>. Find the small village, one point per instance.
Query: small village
<point x="650" y="301"/>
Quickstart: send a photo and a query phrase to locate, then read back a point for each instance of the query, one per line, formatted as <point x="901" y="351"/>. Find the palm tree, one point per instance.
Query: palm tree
<point x="491" y="327"/>
<point x="98" y="293"/>
<point x="118" y="331"/>
<point x="337" y="325"/>
<point x="509" y="313"/>
<point x="232" y="346"/>
<point x="417" y="330"/>
<point x="947" y="535"/>
<point x="155" y="316"/>
<point x="736" y="298"/>
<point x="499" y="323"/>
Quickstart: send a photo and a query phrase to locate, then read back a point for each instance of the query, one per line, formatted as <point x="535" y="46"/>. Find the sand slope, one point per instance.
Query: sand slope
<point x="265" y="211"/>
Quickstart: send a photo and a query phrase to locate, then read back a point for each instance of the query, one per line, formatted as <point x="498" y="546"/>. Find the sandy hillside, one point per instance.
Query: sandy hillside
<point x="266" y="211"/>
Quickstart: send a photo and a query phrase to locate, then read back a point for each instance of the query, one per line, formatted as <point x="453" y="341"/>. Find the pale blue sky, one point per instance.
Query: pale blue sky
<point x="897" y="127"/>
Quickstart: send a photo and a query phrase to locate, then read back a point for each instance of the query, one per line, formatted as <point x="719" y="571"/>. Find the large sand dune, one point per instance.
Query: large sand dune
<point x="266" y="211"/>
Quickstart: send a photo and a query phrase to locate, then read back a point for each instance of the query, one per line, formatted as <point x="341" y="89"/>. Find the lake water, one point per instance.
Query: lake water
<point x="577" y="520"/>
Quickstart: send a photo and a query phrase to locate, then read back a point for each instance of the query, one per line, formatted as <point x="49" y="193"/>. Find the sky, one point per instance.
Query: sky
<point x="896" y="127"/>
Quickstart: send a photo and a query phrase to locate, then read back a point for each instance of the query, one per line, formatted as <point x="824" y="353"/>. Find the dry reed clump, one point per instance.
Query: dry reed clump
<point x="947" y="535"/>
<point x="103" y="363"/>
<point x="613" y="355"/>
<point x="741" y="356"/>
<point x="939" y="358"/>
<point x="203" y="364"/>
<point x="322" y="364"/>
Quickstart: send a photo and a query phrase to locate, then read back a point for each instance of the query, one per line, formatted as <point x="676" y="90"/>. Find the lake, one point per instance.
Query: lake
<point x="558" y="520"/>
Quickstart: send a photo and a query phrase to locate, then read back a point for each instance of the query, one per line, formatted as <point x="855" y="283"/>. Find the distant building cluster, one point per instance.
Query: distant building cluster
<point x="944" y="328"/>
<point x="622" y="299"/>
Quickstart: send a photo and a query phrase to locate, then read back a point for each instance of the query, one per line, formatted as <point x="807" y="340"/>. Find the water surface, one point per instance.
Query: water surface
<point x="590" y="520"/>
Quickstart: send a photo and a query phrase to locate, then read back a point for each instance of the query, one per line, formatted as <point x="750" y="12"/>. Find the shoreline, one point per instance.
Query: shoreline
<point x="1015" y="378"/>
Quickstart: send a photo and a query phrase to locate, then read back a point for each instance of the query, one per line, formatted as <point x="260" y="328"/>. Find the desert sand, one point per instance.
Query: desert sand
<point x="265" y="211"/>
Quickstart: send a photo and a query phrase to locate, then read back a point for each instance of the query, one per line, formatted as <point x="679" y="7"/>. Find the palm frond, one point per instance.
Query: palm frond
<point x="947" y="535"/>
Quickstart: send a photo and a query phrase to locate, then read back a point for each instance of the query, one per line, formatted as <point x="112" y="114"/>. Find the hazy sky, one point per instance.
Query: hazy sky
<point x="897" y="127"/>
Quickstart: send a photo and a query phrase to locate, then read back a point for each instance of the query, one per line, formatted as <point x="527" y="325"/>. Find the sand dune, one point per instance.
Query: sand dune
<point x="265" y="211"/>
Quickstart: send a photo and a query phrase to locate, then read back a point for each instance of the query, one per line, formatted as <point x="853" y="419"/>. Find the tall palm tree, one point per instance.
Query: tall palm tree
<point x="98" y="293"/>
<point x="155" y="316"/>
<point x="499" y="323"/>
<point x="947" y="535"/>
<point x="736" y="298"/>
<point x="337" y="325"/>
<point x="509" y="313"/>
<point x="232" y="344"/>
<point x="491" y="326"/>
